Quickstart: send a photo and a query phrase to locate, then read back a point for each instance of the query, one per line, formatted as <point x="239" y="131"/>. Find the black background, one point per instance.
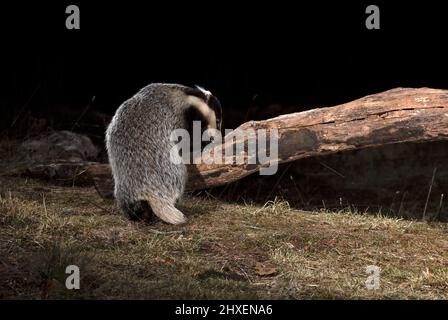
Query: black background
<point x="166" y="309"/>
<point x="286" y="52"/>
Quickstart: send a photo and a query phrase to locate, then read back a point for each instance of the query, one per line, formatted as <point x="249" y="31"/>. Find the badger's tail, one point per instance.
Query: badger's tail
<point x="166" y="211"/>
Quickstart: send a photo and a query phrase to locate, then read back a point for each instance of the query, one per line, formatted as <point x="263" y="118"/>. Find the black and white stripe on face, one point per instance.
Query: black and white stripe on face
<point x="206" y="104"/>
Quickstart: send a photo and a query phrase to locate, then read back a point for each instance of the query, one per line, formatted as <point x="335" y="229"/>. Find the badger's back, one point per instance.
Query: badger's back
<point x="138" y="145"/>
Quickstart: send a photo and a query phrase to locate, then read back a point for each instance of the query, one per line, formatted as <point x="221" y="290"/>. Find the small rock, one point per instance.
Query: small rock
<point x="56" y="147"/>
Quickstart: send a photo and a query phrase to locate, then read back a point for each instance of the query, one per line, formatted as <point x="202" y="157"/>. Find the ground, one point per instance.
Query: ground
<point x="225" y="251"/>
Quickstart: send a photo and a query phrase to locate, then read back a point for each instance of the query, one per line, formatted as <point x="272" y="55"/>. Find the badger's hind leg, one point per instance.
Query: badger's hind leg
<point x="165" y="209"/>
<point x="137" y="211"/>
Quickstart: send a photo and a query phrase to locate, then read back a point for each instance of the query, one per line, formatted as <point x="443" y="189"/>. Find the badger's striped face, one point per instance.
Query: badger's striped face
<point x="206" y="105"/>
<point x="215" y="105"/>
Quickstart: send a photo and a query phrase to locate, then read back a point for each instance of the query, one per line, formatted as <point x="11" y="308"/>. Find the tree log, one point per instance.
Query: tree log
<point x="395" y="116"/>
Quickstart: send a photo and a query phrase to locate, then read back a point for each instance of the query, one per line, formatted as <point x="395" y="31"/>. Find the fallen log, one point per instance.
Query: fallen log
<point x="395" y="116"/>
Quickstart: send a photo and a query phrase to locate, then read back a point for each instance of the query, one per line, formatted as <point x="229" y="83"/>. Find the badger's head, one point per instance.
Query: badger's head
<point x="204" y="106"/>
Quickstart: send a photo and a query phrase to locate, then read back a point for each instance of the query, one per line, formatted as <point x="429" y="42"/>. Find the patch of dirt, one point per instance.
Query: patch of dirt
<point x="238" y="258"/>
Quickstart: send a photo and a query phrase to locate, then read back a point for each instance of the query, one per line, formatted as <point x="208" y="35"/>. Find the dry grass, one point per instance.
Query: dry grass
<point x="217" y="255"/>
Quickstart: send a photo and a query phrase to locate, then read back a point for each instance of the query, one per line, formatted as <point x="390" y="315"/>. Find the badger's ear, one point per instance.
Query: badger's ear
<point x="205" y="92"/>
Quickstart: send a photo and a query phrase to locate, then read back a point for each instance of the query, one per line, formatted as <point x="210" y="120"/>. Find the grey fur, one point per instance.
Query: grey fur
<point x="138" y="145"/>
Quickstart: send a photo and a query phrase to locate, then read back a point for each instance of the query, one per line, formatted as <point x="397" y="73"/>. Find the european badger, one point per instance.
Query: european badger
<point x="138" y="145"/>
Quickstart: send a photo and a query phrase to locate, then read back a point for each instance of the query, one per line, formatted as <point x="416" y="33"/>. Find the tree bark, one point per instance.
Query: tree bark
<point x="395" y="116"/>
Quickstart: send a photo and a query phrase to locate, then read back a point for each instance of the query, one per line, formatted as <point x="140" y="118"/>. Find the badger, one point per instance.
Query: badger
<point x="138" y="145"/>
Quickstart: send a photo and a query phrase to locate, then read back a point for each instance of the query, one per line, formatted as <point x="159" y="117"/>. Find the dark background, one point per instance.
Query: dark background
<point x="284" y="52"/>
